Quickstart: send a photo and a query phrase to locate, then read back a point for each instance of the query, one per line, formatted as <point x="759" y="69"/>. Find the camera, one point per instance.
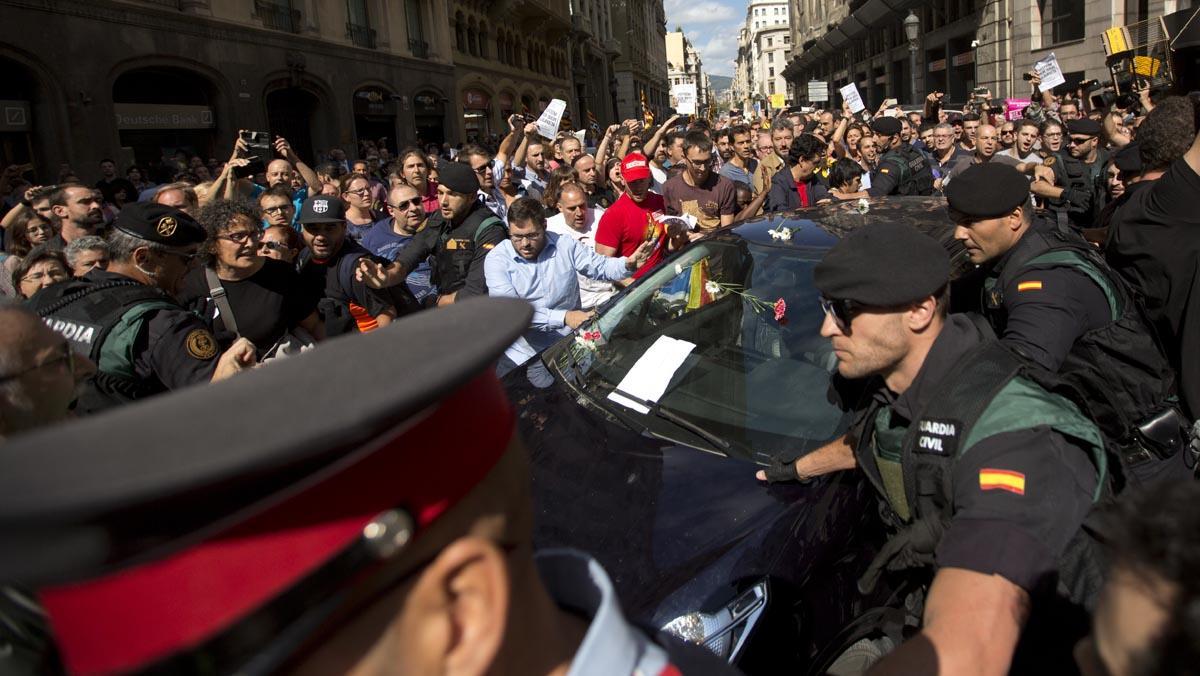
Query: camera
<point x="258" y="147"/>
<point x="1027" y="76"/>
<point x="980" y="91"/>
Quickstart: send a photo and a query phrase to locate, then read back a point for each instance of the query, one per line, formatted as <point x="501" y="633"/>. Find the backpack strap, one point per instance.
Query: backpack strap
<point x="217" y="292"/>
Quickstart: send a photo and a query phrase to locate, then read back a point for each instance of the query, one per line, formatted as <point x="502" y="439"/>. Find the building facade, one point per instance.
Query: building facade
<point x="685" y="67"/>
<point x="764" y="49"/>
<point x="163" y="76"/>
<point x="640" y="28"/>
<point x="593" y="53"/>
<point x="509" y="57"/>
<point x="960" y="45"/>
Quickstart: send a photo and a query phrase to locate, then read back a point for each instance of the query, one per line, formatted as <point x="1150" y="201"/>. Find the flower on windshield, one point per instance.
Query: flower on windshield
<point x="863" y="206"/>
<point x="712" y="287"/>
<point x="781" y="233"/>
<point x="779" y="307"/>
<point x="588" y="339"/>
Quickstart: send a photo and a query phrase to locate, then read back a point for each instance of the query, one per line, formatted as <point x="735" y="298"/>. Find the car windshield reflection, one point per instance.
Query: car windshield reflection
<point x="755" y="379"/>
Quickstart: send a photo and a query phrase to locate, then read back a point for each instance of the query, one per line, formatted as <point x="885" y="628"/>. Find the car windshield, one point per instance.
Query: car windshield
<point x="759" y="382"/>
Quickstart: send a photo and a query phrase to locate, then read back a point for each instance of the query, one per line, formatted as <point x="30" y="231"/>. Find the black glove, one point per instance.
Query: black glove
<point x="778" y="471"/>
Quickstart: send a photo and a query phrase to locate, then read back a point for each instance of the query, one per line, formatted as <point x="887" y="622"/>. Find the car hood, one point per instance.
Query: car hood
<point x="676" y="528"/>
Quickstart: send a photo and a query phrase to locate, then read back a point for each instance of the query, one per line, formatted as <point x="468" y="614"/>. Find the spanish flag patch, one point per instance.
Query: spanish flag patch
<point x="1029" y="286"/>
<point x="1001" y="479"/>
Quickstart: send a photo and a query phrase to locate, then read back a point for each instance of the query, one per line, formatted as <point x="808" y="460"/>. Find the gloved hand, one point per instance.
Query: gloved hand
<point x="778" y="471"/>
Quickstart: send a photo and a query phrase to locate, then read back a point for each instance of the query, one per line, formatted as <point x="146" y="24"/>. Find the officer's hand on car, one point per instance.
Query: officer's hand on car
<point x="376" y="275"/>
<point x="778" y="471"/>
<point x="576" y="318"/>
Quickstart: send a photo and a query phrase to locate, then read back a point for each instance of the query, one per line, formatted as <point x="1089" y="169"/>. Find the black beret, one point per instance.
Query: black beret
<point x="987" y="190"/>
<point x="1128" y="159"/>
<point x="888" y="126"/>
<point x="458" y="177"/>
<point x="322" y="209"/>
<point x="884" y="265"/>
<point x="1085" y="126"/>
<point x="159" y="223"/>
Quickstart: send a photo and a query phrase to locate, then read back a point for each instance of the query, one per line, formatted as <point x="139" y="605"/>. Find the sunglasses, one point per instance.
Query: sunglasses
<point x="407" y="204"/>
<point x="842" y="311"/>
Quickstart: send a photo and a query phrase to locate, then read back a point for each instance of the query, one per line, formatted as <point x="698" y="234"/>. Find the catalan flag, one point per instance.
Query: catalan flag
<point x="1029" y="286"/>
<point x="1001" y="480"/>
<point x="592" y="122"/>
<point x="647" y="116"/>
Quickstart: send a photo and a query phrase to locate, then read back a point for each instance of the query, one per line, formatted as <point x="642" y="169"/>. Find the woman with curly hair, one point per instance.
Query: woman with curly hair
<point x="265" y="297"/>
<point x="554" y="186"/>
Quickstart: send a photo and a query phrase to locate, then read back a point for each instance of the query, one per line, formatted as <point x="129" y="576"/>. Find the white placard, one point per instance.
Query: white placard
<point x="648" y="378"/>
<point x="818" y="90"/>
<point x="1050" y="72"/>
<point x="551" y="117"/>
<point x="852" y="99"/>
<point x="685" y="98"/>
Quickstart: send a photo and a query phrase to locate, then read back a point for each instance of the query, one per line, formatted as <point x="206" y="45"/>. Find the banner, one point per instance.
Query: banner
<point x="778" y="101"/>
<point x="1050" y="72"/>
<point x="818" y="91"/>
<point x="1014" y="109"/>
<point x="850" y="96"/>
<point x="683" y="97"/>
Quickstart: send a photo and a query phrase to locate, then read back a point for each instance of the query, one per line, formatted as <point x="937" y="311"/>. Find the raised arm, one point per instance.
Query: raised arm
<point x="509" y="142"/>
<point x="605" y="143"/>
<point x="310" y="177"/>
<point x="523" y="148"/>
<point x="652" y="144"/>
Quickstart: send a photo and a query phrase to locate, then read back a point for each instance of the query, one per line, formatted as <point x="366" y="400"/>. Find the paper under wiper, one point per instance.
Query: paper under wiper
<point x="650" y="375"/>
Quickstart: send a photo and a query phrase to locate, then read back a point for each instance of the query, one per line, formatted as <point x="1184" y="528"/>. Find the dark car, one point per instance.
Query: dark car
<point x="646" y="427"/>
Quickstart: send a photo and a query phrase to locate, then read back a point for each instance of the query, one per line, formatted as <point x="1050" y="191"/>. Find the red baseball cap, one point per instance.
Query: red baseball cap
<point x="635" y="167"/>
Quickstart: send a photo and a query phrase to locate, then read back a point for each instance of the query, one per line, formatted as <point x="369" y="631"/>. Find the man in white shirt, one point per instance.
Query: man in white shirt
<point x="578" y="221"/>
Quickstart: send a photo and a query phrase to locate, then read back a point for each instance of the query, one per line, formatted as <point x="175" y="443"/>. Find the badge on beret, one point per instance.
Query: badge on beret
<point x="200" y="344"/>
<point x="166" y="226"/>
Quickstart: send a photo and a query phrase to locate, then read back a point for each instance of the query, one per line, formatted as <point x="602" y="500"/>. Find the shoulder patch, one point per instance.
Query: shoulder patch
<point x="1001" y="480"/>
<point x="884" y="170"/>
<point x="1032" y="285"/>
<point x="488" y="246"/>
<point x="200" y="344"/>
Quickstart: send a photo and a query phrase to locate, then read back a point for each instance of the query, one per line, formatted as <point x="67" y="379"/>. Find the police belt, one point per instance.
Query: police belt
<point x="1158" y="437"/>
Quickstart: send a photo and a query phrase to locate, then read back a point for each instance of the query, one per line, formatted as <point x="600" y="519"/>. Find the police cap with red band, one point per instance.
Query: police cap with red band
<point x="218" y="528"/>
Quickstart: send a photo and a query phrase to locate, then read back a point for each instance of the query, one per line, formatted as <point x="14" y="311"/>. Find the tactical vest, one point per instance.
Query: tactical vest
<point x="1120" y="368"/>
<point x="103" y="320"/>
<point x="916" y="176"/>
<point x="1077" y="207"/>
<point x="988" y="392"/>
<point x="454" y="255"/>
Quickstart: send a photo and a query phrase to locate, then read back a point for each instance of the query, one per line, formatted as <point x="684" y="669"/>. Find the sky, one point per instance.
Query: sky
<point x="712" y="28"/>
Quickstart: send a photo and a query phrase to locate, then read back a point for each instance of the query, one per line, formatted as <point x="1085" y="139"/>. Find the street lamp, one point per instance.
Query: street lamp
<point x="912" y="30"/>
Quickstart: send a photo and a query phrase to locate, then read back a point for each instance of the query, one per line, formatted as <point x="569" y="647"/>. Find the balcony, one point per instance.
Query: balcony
<point x="278" y="16"/>
<point x="419" y="48"/>
<point x="361" y="36"/>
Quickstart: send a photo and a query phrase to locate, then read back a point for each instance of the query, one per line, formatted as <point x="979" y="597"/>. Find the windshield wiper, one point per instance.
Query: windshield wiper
<point x="668" y="414"/>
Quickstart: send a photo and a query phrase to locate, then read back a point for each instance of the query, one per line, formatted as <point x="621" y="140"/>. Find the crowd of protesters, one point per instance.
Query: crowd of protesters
<point x="274" y="255"/>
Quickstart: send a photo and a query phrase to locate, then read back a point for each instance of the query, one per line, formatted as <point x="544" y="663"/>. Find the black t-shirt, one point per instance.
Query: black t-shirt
<point x="265" y="305"/>
<point x="1151" y="242"/>
<point x="334" y="278"/>
<point x="109" y="189"/>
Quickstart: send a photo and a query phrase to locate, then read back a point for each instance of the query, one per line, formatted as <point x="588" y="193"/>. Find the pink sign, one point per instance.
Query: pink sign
<point x="1013" y="108"/>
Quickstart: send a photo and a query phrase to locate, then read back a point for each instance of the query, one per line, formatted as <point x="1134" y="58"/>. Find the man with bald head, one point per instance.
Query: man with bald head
<point x="987" y="143"/>
<point x="577" y="219"/>
<point x="39" y="373"/>
<point x="279" y="173"/>
<point x="591" y="180"/>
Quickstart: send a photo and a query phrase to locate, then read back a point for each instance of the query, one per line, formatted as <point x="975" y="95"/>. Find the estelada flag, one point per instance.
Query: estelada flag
<point x="592" y="121"/>
<point x="647" y="116"/>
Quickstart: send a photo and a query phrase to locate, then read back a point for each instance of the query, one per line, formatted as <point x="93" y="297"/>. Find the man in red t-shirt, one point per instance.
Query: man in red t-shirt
<point x="634" y="218"/>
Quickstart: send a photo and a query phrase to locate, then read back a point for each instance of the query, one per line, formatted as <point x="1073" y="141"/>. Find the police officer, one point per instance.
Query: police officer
<point x="126" y="320"/>
<point x="1077" y="195"/>
<point x="367" y="534"/>
<point x="902" y="170"/>
<point x="1051" y="297"/>
<point x="458" y="238"/>
<point x="985" y="477"/>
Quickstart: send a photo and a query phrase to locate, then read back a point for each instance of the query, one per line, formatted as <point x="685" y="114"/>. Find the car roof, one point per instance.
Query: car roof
<point x="820" y="227"/>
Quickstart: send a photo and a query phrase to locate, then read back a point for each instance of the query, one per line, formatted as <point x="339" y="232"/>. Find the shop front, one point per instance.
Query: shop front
<point x="477" y="115"/>
<point x="429" y="114"/>
<point x="375" y="117"/>
<point x="164" y="116"/>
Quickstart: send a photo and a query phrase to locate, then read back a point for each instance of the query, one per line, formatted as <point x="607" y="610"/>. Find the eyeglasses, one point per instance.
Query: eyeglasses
<point x="63" y="353"/>
<point x="52" y="275"/>
<point x="527" y="238"/>
<point x="1078" y="141"/>
<point x="407" y="204"/>
<point x="277" y="209"/>
<point x="842" y="311"/>
<point x="361" y="192"/>
<point x="1056" y="134"/>
<point x="481" y="170"/>
<point x="242" y="237"/>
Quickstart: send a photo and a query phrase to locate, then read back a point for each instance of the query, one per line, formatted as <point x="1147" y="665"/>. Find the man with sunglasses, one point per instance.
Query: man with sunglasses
<point x="984" y="490"/>
<point x="902" y="169"/>
<point x="1076" y="196"/>
<point x="127" y="320"/>
<point x="389" y="236"/>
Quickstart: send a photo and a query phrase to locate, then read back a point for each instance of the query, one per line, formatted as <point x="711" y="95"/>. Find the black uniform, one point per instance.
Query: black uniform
<point x="1082" y="199"/>
<point x="902" y="171"/>
<point x="345" y="304"/>
<point x="142" y="341"/>
<point x="458" y="250"/>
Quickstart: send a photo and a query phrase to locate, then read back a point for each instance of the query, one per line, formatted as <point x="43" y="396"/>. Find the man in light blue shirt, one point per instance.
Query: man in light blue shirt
<point x="541" y="267"/>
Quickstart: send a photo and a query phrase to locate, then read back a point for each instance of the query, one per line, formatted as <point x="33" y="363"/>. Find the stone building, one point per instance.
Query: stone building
<point x="137" y="80"/>
<point x="593" y="52"/>
<point x="960" y="44"/>
<point x="640" y="28"/>
<point x="684" y="66"/>
<point x="764" y="47"/>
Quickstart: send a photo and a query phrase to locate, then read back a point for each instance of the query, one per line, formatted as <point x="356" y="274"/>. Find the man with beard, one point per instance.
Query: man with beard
<point x="125" y="318"/>
<point x="799" y="186"/>
<point x="458" y="238"/>
<point x="698" y="191"/>
<point x="75" y="212"/>
<point x="635" y="218"/>
<point x="1074" y="196"/>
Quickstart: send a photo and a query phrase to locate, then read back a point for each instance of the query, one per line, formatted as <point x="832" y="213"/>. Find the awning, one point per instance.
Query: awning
<point x="866" y="15"/>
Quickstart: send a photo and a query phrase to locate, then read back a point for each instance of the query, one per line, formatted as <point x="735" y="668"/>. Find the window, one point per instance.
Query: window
<point x="770" y="57"/>
<point x="770" y="41"/>
<point x="771" y="87"/>
<point x="770" y="72"/>
<point x="787" y="39"/>
<point x="1062" y="21"/>
<point x="416" y="29"/>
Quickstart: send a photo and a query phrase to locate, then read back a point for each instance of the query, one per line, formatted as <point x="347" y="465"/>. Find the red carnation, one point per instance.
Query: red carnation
<point x="780" y="310"/>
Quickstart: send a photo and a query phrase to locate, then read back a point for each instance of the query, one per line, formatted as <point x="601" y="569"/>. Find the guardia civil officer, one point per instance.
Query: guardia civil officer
<point x="902" y="169"/>
<point x="985" y="477"/>
<point x="1052" y="298"/>
<point x="369" y="534"/>
<point x="1077" y="196"/>
<point x="126" y="319"/>
<point x="458" y="238"/>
